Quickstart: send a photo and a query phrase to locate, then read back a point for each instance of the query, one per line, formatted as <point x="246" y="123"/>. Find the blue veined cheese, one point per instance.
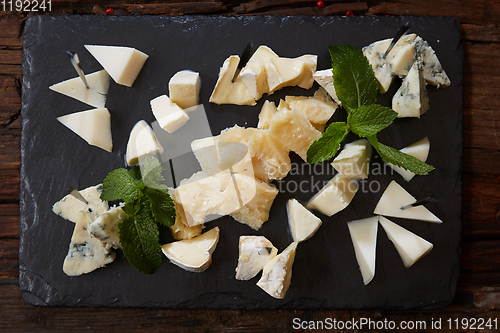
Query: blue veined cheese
<point x="254" y="253"/>
<point x="382" y="70"/>
<point x="105" y="227"/>
<point x="411" y="99"/>
<point x="86" y="253"/>
<point x="434" y="73"/>
<point x="69" y="207"/>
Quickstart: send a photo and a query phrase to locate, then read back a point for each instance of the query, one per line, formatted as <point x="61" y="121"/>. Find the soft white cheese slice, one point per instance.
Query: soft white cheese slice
<point x="409" y="246"/>
<point x="277" y="274"/>
<point x="317" y="108"/>
<point x="354" y="160"/>
<point x="96" y="94"/>
<point x="169" y="115"/>
<point x="411" y="99"/>
<point x="105" y="227"/>
<point x="419" y="150"/>
<point x="375" y="55"/>
<point x="142" y="142"/>
<point x="395" y="197"/>
<point x="86" y="253"/>
<point x="325" y="79"/>
<point x="303" y="224"/>
<point x="364" y="238"/>
<point x="266" y="113"/>
<point x="335" y="196"/>
<point x="69" y="207"/>
<point x="122" y="63"/>
<point x="254" y="253"/>
<point x="184" y="88"/>
<point x="285" y="72"/>
<point x="94" y="126"/>
<point x="195" y="254"/>
<point x="228" y="92"/>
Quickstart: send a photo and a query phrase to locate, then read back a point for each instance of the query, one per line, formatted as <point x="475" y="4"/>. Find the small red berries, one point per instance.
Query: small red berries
<point x="349" y="13"/>
<point x="109" y="11"/>
<point x="320" y="4"/>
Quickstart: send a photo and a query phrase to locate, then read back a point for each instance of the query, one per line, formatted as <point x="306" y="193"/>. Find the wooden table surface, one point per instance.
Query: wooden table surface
<point x="478" y="291"/>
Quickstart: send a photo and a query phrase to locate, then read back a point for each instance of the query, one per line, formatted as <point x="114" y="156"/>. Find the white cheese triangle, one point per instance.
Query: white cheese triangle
<point x="409" y="246"/>
<point x="277" y="274"/>
<point x="335" y="196"/>
<point x="122" y="63"/>
<point x="353" y="161"/>
<point x="395" y="197"/>
<point x="303" y="224"/>
<point x="364" y="238"/>
<point x="195" y="254"/>
<point x="255" y="253"/>
<point x="419" y="150"/>
<point x="69" y="207"/>
<point x="142" y="142"/>
<point x="94" y="126"/>
<point x="96" y="94"/>
<point x="325" y="79"/>
<point x="169" y="115"/>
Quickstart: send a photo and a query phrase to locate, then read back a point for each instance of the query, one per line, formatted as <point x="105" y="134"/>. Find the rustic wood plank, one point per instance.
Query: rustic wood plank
<point x="11" y="57"/>
<point x="10" y="100"/>
<point x="480" y="33"/>
<point x="340" y="8"/>
<point x="177" y="8"/>
<point x="10" y="163"/>
<point x="10" y="26"/>
<point x="481" y="128"/>
<point x="259" y="5"/>
<point x="9" y="220"/>
<point x="9" y="258"/>
<point x="480" y="161"/>
<point x="11" y="70"/>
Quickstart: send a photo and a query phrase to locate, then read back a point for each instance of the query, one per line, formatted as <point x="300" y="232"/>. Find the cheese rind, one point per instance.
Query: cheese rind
<point x="303" y="224"/>
<point x="195" y="254"/>
<point x="122" y="63"/>
<point x="325" y="79"/>
<point x="411" y="99"/>
<point x="254" y="253"/>
<point x="409" y="246"/>
<point x="277" y="274"/>
<point x="169" y="115"/>
<point x="95" y="95"/>
<point x="335" y="196"/>
<point x="364" y="239"/>
<point x="395" y="197"/>
<point x="69" y="207"/>
<point x="419" y="150"/>
<point x="354" y="160"/>
<point x="184" y="88"/>
<point x="142" y="142"/>
<point x="105" y="227"/>
<point x="94" y="126"/>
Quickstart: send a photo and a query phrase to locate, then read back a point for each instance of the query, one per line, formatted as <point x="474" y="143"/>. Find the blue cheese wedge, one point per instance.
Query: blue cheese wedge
<point x="382" y="70"/>
<point x="86" y="253"/>
<point x="69" y="207"/>
<point x="303" y="224"/>
<point x="410" y="247"/>
<point x="395" y="197"/>
<point x="419" y="150"/>
<point x="434" y="73"/>
<point x="411" y="99"/>
<point x="193" y="255"/>
<point x="142" y="142"/>
<point x="105" y="227"/>
<point x="277" y="274"/>
<point x="335" y="196"/>
<point x="254" y="253"/>
<point x="354" y="160"/>
<point x="364" y="239"/>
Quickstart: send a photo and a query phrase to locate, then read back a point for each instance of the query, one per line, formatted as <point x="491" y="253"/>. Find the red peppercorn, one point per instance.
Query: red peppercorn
<point x="109" y="11"/>
<point x="349" y="13"/>
<point x="320" y="4"/>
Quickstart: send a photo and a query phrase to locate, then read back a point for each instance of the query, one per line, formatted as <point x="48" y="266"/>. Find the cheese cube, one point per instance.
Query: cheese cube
<point x="69" y="207"/>
<point x="335" y="196"/>
<point x="266" y="113"/>
<point x="354" y="160"/>
<point x="294" y="131"/>
<point x="228" y="92"/>
<point x="184" y="88"/>
<point x="285" y="72"/>
<point x="95" y="95"/>
<point x="303" y="224"/>
<point x="325" y="79"/>
<point x="142" y="142"/>
<point x="317" y="108"/>
<point x="364" y="238"/>
<point x="169" y="115"/>
<point x="419" y="150"/>
<point x="105" y="227"/>
<point x="277" y="274"/>
<point x="205" y="151"/>
<point x="254" y="253"/>
<point x="180" y="230"/>
<point x="123" y="64"/>
<point x="94" y="126"/>
<point x="411" y="99"/>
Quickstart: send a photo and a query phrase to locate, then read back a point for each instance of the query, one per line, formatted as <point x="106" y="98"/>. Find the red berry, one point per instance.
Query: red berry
<point x="109" y="11"/>
<point x="349" y="13"/>
<point x="320" y="4"/>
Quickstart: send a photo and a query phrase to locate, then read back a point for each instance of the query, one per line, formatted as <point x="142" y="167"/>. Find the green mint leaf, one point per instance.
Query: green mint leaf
<point x="398" y="158"/>
<point x="162" y="206"/>
<point x="370" y="119"/>
<point x="120" y="185"/>
<point x="328" y="144"/>
<point x="139" y="237"/>
<point x="151" y="173"/>
<point x="353" y="77"/>
<point x="131" y="208"/>
<point x="135" y="172"/>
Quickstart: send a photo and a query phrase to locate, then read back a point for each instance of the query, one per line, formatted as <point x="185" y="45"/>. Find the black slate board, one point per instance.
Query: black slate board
<point x="325" y="273"/>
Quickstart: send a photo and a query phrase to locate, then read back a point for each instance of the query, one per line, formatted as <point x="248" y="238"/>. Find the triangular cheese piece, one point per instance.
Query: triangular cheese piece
<point x="255" y="253"/>
<point x="419" y="150"/>
<point x="303" y="224"/>
<point x="75" y="88"/>
<point x="142" y="142"/>
<point x="409" y="246"/>
<point x="277" y="274"/>
<point x="395" y="197"/>
<point x="94" y="126"/>
<point x="364" y="238"/>
<point x="122" y="63"/>
<point x="70" y="206"/>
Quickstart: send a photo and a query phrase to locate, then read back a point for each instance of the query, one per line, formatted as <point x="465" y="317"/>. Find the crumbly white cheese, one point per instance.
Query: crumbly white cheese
<point x="254" y="253"/>
<point x="69" y="207"/>
<point x="277" y="274"/>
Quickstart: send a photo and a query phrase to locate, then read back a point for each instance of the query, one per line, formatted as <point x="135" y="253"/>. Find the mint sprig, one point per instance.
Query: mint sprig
<point x="148" y="204"/>
<point x="328" y="144"/>
<point x="370" y="119"/>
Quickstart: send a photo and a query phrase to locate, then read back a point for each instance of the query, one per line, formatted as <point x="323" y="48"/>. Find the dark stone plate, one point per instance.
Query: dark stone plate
<point x="325" y="272"/>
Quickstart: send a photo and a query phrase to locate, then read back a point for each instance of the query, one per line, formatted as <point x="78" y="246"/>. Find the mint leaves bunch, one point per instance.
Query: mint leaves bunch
<point x="357" y="89"/>
<point x="148" y="204"/>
